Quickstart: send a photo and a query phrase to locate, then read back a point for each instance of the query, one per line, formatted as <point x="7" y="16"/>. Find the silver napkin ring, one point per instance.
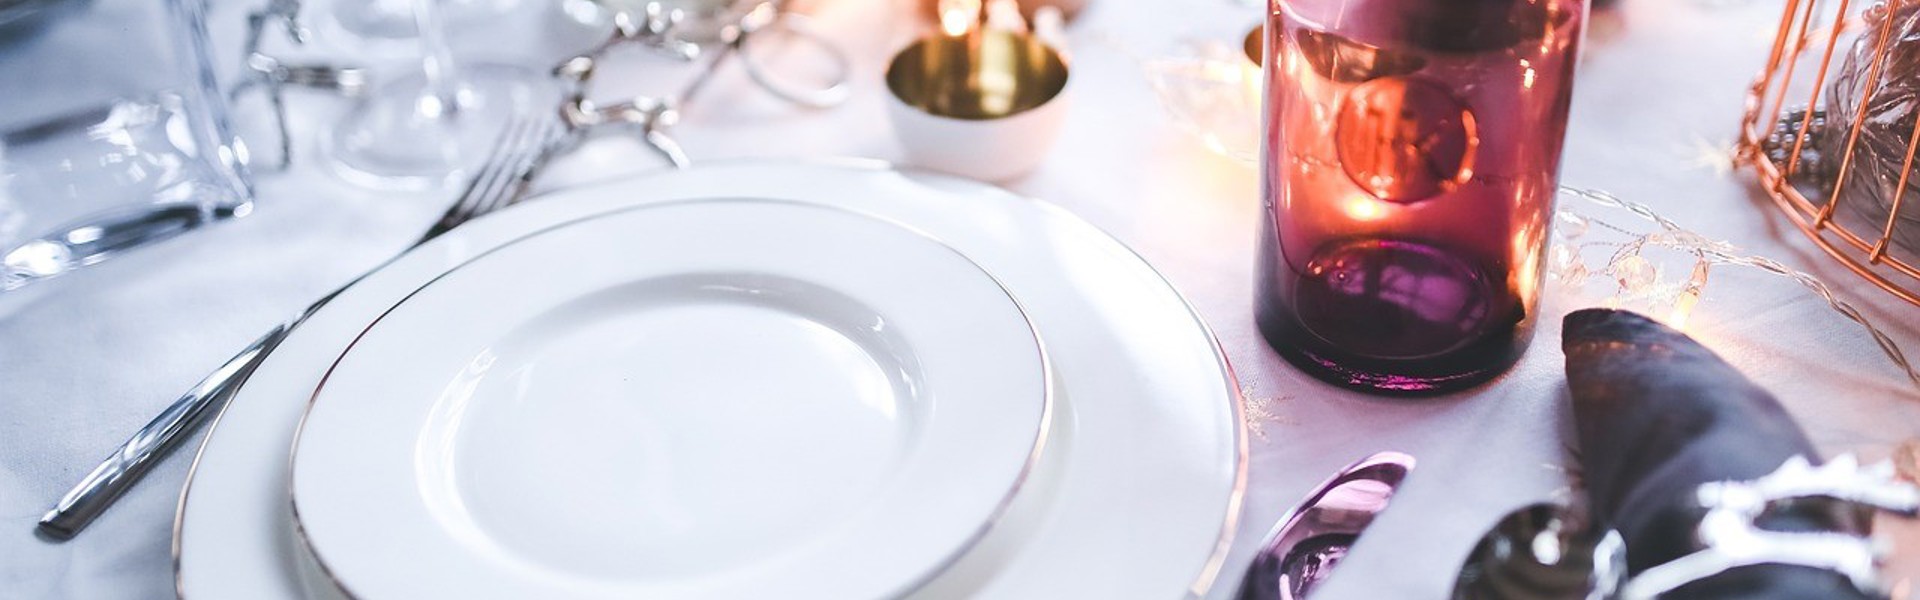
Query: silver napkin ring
<point x="654" y="28"/>
<point x="659" y="28"/>
<point x="1730" y="538"/>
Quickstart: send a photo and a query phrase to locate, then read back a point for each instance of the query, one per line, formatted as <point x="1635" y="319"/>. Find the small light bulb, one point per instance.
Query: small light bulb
<point x="1571" y="225"/>
<point x="1635" y="274"/>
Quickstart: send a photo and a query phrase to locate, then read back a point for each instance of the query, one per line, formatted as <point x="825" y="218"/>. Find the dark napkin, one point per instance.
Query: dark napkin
<point x="1658" y="414"/>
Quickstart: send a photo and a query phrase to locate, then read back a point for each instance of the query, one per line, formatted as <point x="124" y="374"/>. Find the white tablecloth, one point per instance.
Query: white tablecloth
<point x="100" y="353"/>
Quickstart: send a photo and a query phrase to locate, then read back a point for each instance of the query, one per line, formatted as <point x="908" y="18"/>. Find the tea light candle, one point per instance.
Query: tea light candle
<point x="984" y="104"/>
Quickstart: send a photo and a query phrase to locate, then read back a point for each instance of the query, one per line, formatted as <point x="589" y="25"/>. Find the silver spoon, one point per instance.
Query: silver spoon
<point x="1542" y="551"/>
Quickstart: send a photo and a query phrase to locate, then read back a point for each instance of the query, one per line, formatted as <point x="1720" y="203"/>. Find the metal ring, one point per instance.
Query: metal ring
<point x="827" y="97"/>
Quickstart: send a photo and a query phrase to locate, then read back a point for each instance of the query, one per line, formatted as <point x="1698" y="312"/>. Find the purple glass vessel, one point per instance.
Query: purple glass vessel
<point x="1411" y="153"/>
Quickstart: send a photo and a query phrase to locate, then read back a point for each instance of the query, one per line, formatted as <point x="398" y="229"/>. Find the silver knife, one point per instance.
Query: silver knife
<point x="1310" y="541"/>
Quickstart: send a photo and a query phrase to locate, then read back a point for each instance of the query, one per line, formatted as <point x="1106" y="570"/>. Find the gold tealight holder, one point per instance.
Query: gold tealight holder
<point x="984" y="104"/>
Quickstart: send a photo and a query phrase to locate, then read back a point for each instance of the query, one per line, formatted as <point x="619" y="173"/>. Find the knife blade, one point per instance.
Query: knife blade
<point x="1303" y="550"/>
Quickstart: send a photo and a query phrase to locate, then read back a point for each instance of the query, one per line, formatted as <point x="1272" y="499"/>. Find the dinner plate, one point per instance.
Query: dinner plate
<point x="1135" y="496"/>
<point x="726" y="398"/>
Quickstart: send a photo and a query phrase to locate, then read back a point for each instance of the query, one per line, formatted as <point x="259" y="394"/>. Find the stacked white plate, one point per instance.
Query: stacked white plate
<point x="747" y="380"/>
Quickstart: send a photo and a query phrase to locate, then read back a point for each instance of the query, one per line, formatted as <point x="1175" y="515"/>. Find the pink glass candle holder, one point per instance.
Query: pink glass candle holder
<point x="1411" y="150"/>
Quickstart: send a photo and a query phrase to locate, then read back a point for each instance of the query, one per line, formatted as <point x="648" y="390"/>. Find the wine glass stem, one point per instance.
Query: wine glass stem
<point x="436" y="58"/>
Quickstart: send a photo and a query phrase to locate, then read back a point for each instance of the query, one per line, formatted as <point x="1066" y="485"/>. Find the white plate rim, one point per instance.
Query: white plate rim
<point x="1033" y="451"/>
<point x="1198" y="586"/>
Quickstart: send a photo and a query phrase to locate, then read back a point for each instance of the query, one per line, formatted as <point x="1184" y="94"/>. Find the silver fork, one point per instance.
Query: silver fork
<point x="523" y="145"/>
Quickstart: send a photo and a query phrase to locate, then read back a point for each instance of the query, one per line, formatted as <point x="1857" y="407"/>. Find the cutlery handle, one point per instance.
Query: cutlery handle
<point x="153" y="442"/>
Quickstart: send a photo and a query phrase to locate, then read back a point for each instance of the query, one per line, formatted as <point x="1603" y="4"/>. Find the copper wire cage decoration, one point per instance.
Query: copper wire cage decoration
<point x="1780" y="112"/>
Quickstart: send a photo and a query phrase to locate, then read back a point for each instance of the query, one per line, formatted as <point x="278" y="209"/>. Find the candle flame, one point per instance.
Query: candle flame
<point x="1363" y="208"/>
<point x="1004" y="15"/>
<point x="959" y="17"/>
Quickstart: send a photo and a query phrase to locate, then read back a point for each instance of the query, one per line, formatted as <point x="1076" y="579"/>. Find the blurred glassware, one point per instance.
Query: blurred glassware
<point x="10" y="215"/>
<point x="391" y="23"/>
<point x="1211" y="88"/>
<point x="257" y="95"/>
<point x="118" y="139"/>
<point x="14" y="10"/>
<point x="427" y="130"/>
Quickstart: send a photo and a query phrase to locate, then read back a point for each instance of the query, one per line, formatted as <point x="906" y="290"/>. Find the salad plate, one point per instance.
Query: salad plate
<point x="720" y="398"/>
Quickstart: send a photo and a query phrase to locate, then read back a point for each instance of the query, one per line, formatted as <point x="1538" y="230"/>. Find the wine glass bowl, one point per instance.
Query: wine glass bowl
<point x="425" y="131"/>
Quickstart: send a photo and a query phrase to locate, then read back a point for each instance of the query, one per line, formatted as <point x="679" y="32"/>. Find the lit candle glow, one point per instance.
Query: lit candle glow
<point x="958" y="17"/>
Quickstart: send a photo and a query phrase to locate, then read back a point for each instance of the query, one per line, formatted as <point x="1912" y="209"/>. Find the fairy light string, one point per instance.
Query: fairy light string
<point x="1628" y="266"/>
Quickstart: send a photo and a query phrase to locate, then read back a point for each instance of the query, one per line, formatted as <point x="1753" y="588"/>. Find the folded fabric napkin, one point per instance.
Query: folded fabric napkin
<point x="1658" y="414"/>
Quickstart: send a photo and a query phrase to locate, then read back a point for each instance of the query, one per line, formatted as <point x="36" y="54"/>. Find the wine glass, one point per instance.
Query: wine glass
<point x="427" y="130"/>
<point x="390" y="22"/>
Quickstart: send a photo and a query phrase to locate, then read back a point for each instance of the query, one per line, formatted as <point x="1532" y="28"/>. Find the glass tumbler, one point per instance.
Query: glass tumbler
<point x="112" y="133"/>
<point x="1410" y="155"/>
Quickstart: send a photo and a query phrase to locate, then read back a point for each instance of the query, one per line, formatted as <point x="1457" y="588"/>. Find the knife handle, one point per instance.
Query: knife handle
<point x="159" y="437"/>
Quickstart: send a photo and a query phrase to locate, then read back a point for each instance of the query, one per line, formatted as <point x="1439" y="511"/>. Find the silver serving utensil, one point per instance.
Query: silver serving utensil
<point x="523" y="145"/>
<point x="689" y="28"/>
<point x="1543" y="551"/>
<point x="1550" y="552"/>
<point x="1302" y="551"/>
